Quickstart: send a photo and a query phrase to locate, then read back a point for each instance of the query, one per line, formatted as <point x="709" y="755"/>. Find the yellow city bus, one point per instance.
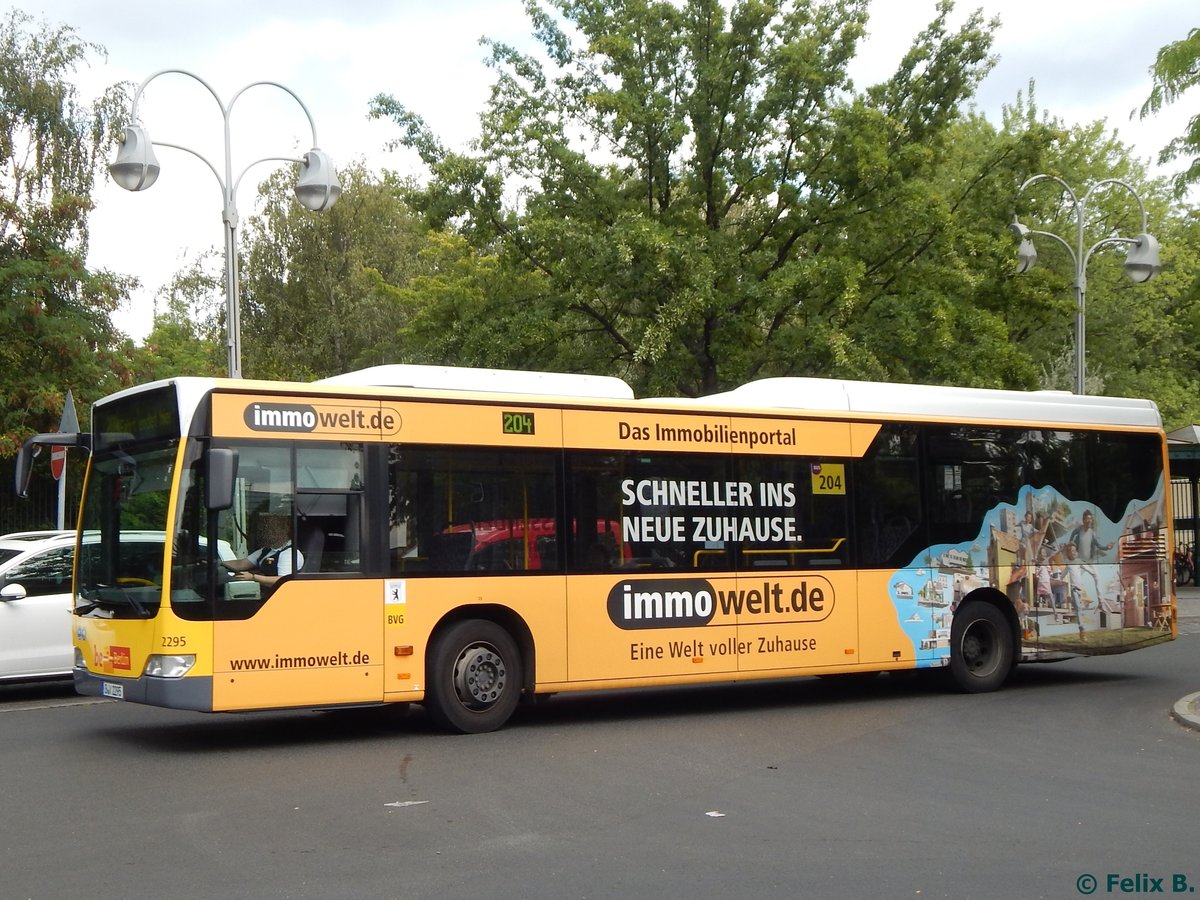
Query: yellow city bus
<point x="468" y="538"/>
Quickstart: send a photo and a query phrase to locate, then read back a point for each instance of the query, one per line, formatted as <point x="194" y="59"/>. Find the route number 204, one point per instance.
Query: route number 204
<point x="828" y="478"/>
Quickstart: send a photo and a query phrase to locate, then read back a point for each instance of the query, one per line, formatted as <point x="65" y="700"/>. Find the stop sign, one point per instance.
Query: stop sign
<point x="58" y="461"/>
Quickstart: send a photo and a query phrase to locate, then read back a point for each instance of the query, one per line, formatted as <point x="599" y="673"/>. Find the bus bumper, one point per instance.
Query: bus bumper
<point x="175" y="693"/>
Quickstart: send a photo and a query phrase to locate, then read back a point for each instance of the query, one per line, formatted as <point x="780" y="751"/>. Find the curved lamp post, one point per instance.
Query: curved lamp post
<point x="1141" y="259"/>
<point x="136" y="168"/>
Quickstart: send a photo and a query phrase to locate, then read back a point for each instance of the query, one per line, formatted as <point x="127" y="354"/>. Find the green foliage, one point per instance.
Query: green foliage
<point x="697" y="196"/>
<point x="692" y="195"/>
<point x="188" y="337"/>
<point x="54" y="313"/>
<point x="1148" y="336"/>
<point x="1176" y="69"/>
<point x="706" y="199"/>
<point x="318" y="289"/>
<point x="1141" y="339"/>
<point x="468" y="307"/>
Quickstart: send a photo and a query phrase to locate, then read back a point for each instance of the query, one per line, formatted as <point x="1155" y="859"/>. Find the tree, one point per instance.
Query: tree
<point x="1141" y="338"/>
<point x="977" y="181"/>
<point x="187" y="338"/>
<point x="55" y="314"/>
<point x="1148" y="336"/>
<point x="468" y="306"/>
<point x="615" y="217"/>
<point x="1177" y="69"/>
<point x="705" y="198"/>
<point x="318" y="290"/>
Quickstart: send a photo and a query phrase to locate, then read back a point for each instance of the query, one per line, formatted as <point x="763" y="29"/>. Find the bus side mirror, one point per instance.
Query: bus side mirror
<point x="23" y="469"/>
<point x="222" y="473"/>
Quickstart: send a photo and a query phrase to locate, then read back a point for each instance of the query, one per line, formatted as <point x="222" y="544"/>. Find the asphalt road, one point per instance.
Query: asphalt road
<point x="886" y="788"/>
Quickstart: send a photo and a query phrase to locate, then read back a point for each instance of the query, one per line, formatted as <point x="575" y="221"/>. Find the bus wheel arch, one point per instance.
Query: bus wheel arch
<point x="984" y="642"/>
<point x="478" y="666"/>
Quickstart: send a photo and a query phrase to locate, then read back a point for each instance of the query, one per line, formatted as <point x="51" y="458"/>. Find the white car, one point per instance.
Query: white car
<point x="35" y="604"/>
<point x="35" y="598"/>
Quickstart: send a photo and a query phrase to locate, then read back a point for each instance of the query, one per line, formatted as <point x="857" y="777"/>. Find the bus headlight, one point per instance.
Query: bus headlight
<point x="79" y="663"/>
<point x="164" y="666"/>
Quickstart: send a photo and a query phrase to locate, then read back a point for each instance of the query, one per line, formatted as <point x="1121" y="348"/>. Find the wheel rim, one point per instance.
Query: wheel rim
<point x="980" y="648"/>
<point x="480" y="676"/>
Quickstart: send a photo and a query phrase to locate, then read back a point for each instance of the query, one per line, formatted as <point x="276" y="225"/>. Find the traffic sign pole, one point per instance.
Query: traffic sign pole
<point x="62" y="502"/>
<point x="58" y="456"/>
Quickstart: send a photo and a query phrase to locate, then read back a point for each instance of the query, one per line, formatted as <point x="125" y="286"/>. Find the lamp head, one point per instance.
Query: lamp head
<point x="1026" y="254"/>
<point x="1142" y="262"/>
<point x="318" y="187"/>
<point x="135" y="167"/>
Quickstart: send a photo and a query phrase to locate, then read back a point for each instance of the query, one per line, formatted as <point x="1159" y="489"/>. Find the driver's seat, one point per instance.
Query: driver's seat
<point x="311" y="544"/>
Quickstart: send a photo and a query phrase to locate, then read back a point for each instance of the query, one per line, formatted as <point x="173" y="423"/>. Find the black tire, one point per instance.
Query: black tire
<point x="474" y="677"/>
<point x="982" y="649"/>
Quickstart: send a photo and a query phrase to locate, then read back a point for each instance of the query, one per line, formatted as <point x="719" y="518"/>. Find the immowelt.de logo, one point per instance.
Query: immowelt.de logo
<point x="324" y="418"/>
<point x="688" y="602"/>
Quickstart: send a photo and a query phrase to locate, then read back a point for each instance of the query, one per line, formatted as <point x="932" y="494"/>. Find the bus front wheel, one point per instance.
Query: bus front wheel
<point x="981" y="648"/>
<point x="474" y="677"/>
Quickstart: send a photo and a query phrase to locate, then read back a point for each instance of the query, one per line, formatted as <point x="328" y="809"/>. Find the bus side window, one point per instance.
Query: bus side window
<point x="645" y="511"/>
<point x="793" y="513"/>
<point x="887" y="492"/>
<point x="547" y="551"/>
<point x="1120" y="471"/>
<point x="329" y="507"/>
<point x="450" y="552"/>
<point x="971" y="471"/>
<point x="471" y="510"/>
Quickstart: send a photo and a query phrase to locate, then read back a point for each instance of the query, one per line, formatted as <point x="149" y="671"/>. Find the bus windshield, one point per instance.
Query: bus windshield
<point x="123" y="511"/>
<point x="124" y="517"/>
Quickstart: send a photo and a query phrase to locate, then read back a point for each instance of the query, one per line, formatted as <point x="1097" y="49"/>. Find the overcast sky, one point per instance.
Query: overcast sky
<point x="1090" y="61"/>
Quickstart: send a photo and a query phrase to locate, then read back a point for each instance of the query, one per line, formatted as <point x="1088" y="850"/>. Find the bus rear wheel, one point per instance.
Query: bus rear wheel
<point x="474" y="677"/>
<point x="982" y="652"/>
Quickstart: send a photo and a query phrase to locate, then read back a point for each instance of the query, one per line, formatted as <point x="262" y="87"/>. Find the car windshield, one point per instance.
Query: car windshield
<point x="124" y="516"/>
<point x="7" y="554"/>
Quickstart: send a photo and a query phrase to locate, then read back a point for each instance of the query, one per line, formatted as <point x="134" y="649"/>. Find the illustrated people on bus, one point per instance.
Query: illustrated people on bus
<point x="1045" y="598"/>
<point x="1027" y="530"/>
<point x="1073" y="573"/>
<point x="1086" y="540"/>
<point x="273" y="560"/>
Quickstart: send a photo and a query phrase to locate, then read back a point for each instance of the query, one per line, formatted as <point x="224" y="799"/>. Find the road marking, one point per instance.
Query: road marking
<point x="25" y="706"/>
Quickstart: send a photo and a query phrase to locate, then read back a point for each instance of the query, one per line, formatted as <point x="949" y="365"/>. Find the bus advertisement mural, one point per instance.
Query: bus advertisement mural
<point x="1080" y="583"/>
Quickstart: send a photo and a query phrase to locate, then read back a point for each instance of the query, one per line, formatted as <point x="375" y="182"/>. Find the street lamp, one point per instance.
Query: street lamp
<point x="136" y="168"/>
<point x="1141" y="259"/>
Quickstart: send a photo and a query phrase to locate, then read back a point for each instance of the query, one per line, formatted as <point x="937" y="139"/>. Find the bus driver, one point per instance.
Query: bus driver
<point x="273" y="560"/>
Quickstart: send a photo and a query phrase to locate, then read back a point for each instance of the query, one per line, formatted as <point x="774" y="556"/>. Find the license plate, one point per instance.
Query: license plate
<point x="116" y="691"/>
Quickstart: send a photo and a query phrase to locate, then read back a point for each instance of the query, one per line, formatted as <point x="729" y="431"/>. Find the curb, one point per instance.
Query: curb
<point x="1187" y="711"/>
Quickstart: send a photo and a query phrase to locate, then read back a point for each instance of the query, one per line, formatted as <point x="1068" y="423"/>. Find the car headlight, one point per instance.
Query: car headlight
<point x="164" y="666"/>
